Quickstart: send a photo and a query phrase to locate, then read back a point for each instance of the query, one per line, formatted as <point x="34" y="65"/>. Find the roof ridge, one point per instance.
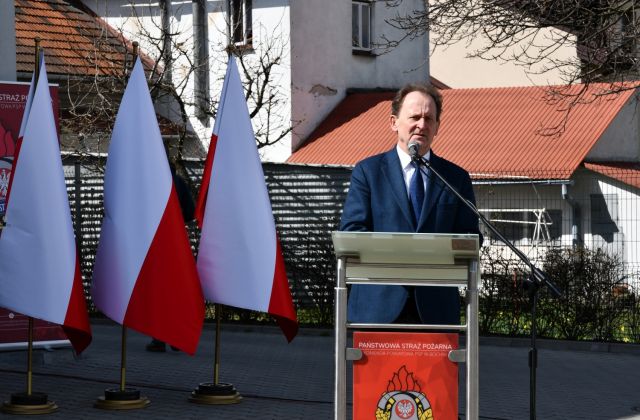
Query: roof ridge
<point x="370" y="90"/>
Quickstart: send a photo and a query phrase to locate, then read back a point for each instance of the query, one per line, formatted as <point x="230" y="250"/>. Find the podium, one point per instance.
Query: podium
<point x="409" y="259"/>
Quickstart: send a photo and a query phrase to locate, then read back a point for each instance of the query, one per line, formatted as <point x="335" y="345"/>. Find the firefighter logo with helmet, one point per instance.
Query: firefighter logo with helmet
<point x="404" y="399"/>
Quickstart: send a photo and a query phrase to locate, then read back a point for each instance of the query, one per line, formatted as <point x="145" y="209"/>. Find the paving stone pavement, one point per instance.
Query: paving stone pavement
<point x="295" y="381"/>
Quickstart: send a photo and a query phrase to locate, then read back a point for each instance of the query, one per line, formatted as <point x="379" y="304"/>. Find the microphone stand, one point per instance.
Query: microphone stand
<point x="536" y="278"/>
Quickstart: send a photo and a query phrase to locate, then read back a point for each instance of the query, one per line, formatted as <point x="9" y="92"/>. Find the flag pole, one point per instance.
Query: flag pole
<point x="216" y="392"/>
<point x="30" y="402"/>
<point x="30" y="358"/>
<point x="123" y="398"/>
<point x="216" y="357"/>
<point x="123" y="358"/>
<point x="30" y="343"/>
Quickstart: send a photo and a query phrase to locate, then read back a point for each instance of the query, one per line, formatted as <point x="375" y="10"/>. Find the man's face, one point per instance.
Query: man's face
<point x="416" y="121"/>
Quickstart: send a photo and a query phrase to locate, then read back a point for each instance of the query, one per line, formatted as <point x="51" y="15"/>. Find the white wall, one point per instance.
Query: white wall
<point x="141" y="20"/>
<point x="313" y="38"/>
<point x="627" y="214"/>
<point x="270" y="30"/>
<point x="324" y="66"/>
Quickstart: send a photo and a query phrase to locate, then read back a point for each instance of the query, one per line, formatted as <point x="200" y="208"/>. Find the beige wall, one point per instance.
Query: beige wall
<point x="451" y="66"/>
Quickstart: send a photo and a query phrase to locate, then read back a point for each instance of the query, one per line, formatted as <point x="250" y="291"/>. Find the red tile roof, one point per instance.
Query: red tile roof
<point x="76" y="41"/>
<point x="492" y="132"/>
<point x="356" y="128"/>
<point x="625" y="172"/>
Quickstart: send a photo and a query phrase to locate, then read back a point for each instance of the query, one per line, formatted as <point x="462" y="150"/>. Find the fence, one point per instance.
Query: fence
<point x="306" y="204"/>
<point x="584" y="231"/>
<point x="551" y="219"/>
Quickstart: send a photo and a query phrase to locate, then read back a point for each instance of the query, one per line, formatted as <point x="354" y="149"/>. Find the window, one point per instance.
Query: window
<point x="555" y="228"/>
<point x="361" y="26"/>
<point x="530" y="226"/>
<point x="240" y="22"/>
<point x="510" y="224"/>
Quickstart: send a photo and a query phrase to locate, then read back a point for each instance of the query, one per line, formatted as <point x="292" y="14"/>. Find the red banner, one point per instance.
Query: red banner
<point x="13" y="97"/>
<point x="405" y="376"/>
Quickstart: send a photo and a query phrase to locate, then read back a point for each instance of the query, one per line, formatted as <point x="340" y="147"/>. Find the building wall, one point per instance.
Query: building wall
<point x="621" y="140"/>
<point x="270" y="26"/>
<point x="622" y="237"/>
<point x="451" y="65"/>
<point x="7" y="41"/>
<point x="324" y="66"/>
<point x="316" y="64"/>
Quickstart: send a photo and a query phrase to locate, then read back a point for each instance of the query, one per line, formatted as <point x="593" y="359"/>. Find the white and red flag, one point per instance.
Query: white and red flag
<point x="239" y="259"/>
<point x="23" y="125"/>
<point x="145" y="276"/>
<point x="39" y="267"/>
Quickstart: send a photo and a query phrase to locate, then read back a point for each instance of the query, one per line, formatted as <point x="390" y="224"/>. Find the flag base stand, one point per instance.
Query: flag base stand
<point x="116" y="399"/>
<point x="216" y="392"/>
<point x="29" y="403"/>
<point x="122" y="398"/>
<point x="211" y="393"/>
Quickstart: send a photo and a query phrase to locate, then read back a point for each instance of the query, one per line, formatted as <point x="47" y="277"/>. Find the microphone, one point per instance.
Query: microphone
<point x="413" y="150"/>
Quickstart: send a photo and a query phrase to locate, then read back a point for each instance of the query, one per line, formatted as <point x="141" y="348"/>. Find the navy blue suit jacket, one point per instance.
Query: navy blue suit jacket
<point x="377" y="202"/>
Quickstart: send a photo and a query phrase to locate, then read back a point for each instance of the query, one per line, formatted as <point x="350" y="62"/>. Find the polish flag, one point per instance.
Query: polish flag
<point x="39" y="267"/>
<point x="23" y="126"/>
<point x="239" y="260"/>
<point x="145" y="276"/>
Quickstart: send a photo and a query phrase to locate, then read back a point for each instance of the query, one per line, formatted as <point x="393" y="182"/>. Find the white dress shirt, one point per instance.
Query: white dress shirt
<point x="408" y="168"/>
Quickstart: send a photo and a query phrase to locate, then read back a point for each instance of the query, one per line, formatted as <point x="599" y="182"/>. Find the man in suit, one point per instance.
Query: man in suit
<point x="385" y="196"/>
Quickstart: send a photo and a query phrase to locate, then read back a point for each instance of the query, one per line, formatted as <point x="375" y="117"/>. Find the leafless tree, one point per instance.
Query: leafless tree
<point x="604" y="33"/>
<point x="167" y="55"/>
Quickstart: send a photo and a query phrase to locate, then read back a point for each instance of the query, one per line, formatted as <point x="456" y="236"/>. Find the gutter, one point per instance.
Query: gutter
<point x="523" y="181"/>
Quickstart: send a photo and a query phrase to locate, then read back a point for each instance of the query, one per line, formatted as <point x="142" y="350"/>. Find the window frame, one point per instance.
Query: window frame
<point x="518" y="226"/>
<point x="240" y="23"/>
<point x="357" y="40"/>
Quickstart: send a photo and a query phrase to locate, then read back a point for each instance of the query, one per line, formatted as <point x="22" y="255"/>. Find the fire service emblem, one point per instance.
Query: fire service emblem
<point x="404" y="399"/>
